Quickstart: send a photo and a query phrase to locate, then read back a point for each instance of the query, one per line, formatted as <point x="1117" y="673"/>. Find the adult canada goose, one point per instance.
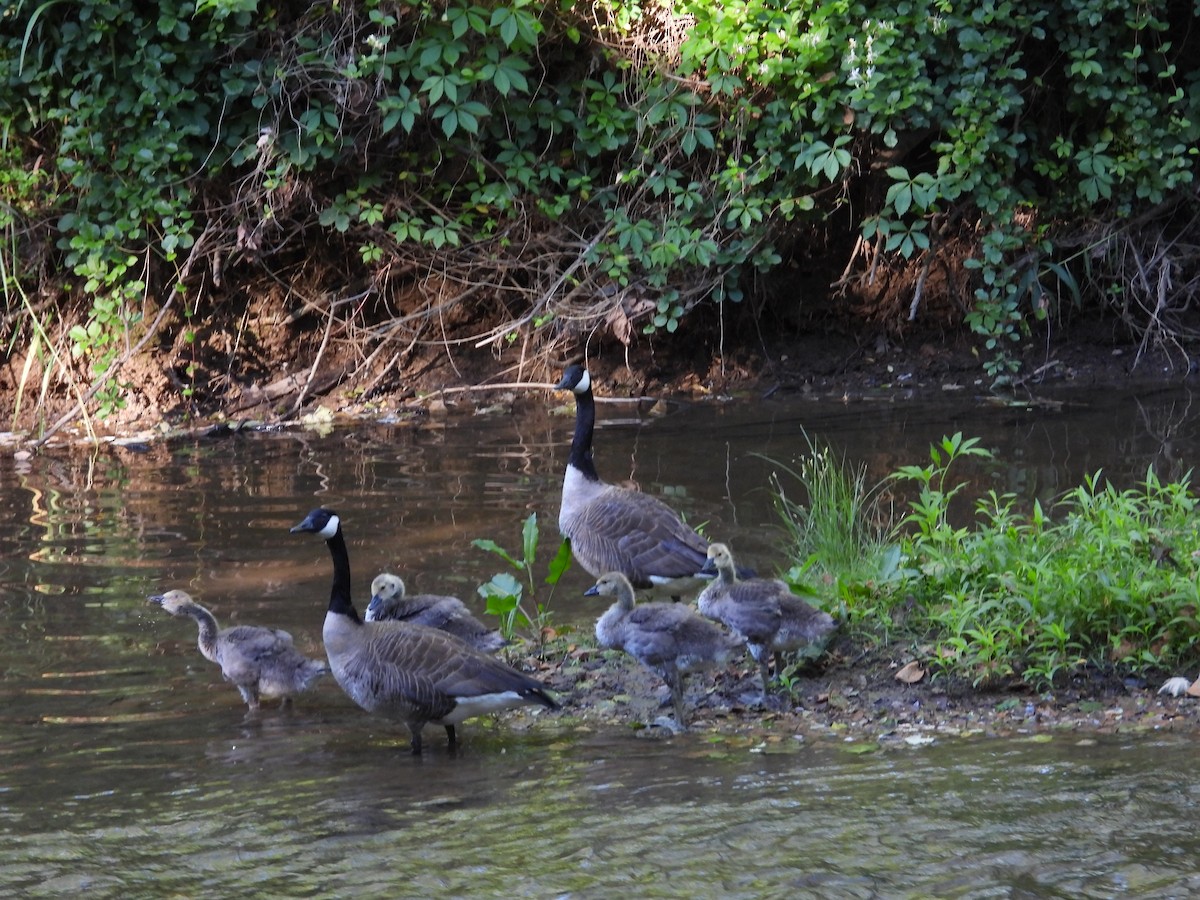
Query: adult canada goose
<point x="764" y="611"/>
<point x="617" y="529"/>
<point x="261" y="662"/>
<point x="669" y="638"/>
<point x="410" y="672"/>
<point x="390" y="603"/>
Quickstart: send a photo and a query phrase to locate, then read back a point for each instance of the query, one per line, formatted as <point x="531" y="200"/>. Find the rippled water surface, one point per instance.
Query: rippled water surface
<point x="128" y="768"/>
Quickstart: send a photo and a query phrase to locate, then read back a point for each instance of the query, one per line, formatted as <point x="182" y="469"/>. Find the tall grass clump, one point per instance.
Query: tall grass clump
<point x="840" y="535"/>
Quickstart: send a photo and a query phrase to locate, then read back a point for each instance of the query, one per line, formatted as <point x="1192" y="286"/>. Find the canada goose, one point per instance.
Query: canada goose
<point x="390" y="603"/>
<point x="617" y="529"/>
<point x="410" y="672"/>
<point x="669" y="638"/>
<point x="764" y="611"/>
<point x="261" y="662"/>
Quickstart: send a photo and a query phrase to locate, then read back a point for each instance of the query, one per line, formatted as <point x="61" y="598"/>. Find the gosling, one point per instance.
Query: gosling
<point x="390" y="603"/>
<point x="763" y="611"/>
<point x="670" y="639"/>
<point x="262" y="663"/>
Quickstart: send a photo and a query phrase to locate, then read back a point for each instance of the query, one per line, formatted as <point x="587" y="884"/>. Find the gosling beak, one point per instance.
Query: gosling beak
<point x="593" y="591"/>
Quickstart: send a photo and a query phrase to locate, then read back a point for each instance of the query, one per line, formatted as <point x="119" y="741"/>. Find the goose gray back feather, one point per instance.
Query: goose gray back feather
<point x="262" y="663"/>
<point x="391" y="603"/>
<point x="407" y="672"/>
<point x="764" y="611"/>
<point x="671" y="639"/>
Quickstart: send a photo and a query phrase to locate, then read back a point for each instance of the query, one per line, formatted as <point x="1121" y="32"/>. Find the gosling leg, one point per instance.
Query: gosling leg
<point x="765" y="672"/>
<point x="675" y="683"/>
<point x="250" y="696"/>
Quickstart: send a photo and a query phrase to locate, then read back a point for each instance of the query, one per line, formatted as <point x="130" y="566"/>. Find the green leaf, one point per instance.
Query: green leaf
<point x="529" y="538"/>
<point x="561" y="562"/>
<point x="492" y="547"/>
<point x="503" y="584"/>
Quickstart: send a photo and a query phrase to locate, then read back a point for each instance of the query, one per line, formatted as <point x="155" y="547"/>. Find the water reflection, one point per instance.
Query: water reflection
<point x="126" y="765"/>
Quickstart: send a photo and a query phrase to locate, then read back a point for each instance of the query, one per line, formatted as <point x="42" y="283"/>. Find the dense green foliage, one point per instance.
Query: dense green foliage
<point x="592" y="165"/>
<point x="1108" y="578"/>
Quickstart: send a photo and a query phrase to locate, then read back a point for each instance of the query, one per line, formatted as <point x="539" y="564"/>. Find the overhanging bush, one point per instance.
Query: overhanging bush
<point x="584" y="167"/>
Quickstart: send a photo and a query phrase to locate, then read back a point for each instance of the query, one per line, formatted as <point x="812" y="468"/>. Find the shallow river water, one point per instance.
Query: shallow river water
<point x="129" y="769"/>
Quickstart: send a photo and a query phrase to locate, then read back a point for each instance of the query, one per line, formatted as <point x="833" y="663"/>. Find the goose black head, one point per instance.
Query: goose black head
<point x="575" y="378"/>
<point x="321" y="522"/>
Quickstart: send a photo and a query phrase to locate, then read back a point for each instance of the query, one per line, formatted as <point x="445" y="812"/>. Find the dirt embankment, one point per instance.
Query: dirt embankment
<point x="263" y="363"/>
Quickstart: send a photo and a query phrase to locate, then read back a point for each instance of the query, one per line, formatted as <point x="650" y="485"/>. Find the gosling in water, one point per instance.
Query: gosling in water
<point x="262" y="663"/>
<point x="671" y="639"/>
<point x="763" y="611"/>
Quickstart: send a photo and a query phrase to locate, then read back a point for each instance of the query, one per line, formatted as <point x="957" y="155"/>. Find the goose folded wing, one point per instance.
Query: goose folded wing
<point x="644" y="531"/>
<point x="437" y="669"/>
<point x="750" y="613"/>
<point x="244" y="649"/>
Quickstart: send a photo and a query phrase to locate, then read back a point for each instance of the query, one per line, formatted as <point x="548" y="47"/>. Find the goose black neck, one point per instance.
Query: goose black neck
<point x="340" y="601"/>
<point x="581" y="443"/>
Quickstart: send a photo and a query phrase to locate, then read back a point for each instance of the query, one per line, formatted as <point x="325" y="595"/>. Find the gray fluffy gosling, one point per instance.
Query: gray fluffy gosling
<point x="410" y="672"/>
<point x="391" y="603"/>
<point x="669" y="638"/>
<point x="261" y="662"/>
<point x="763" y="611"/>
<point x="618" y="529"/>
